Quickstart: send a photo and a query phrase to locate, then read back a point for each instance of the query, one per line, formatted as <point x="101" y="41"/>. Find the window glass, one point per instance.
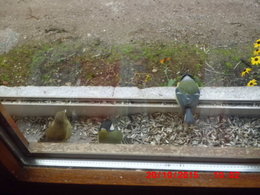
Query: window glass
<point x="83" y="72"/>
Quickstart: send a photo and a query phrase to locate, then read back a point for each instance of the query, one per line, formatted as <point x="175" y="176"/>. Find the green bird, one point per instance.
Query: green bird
<point x="60" y="129"/>
<point x="187" y="95"/>
<point x="108" y="134"/>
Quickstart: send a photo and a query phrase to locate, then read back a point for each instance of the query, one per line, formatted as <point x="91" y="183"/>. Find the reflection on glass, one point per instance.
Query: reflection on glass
<point x="117" y="43"/>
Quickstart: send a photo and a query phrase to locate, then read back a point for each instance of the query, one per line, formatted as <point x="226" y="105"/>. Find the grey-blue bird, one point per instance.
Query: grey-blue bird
<point x="187" y="95"/>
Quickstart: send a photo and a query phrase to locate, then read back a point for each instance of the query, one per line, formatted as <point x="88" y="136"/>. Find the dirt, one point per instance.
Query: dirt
<point x="209" y="22"/>
<point x="99" y="25"/>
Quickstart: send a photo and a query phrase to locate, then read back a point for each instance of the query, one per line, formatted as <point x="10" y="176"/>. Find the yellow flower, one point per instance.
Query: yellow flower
<point x="257" y="51"/>
<point x="257" y="43"/>
<point x="246" y="71"/>
<point x="255" y="60"/>
<point x="148" y="77"/>
<point x="252" y="83"/>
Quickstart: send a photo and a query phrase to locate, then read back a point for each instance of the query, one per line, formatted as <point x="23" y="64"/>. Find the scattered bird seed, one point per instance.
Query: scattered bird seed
<point x="157" y="129"/>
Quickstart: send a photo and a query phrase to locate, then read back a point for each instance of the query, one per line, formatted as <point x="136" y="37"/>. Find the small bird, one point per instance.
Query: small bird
<point x="108" y="134"/>
<point x="187" y="95"/>
<point x="60" y="129"/>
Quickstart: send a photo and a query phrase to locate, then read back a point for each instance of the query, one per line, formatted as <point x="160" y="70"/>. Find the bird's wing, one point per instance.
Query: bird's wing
<point x="183" y="99"/>
<point x="195" y="100"/>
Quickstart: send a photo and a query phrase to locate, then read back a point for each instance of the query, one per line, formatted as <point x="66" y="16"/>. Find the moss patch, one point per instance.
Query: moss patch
<point x="40" y="64"/>
<point x="181" y="59"/>
<point x="15" y="66"/>
<point x="98" y="63"/>
<point x="139" y="64"/>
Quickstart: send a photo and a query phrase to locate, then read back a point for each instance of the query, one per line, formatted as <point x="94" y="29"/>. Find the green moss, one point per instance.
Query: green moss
<point x="60" y="62"/>
<point x="39" y="63"/>
<point x="184" y="59"/>
<point x="46" y="77"/>
<point x="15" y="65"/>
<point x="230" y="56"/>
<point x="90" y="76"/>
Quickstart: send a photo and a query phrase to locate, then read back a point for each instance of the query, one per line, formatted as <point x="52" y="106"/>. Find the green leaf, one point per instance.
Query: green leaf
<point x="171" y="82"/>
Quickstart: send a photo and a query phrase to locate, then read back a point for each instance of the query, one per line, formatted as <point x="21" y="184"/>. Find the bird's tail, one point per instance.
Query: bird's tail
<point x="188" y="118"/>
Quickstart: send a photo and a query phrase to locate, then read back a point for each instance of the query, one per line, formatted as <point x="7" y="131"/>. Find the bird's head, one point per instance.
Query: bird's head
<point x="60" y="116"/>
<point x="186" y="76"/>
<point x="108" y="125"/>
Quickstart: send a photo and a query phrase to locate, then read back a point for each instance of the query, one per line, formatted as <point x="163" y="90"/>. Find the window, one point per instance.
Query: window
<point x="102" y="61"/>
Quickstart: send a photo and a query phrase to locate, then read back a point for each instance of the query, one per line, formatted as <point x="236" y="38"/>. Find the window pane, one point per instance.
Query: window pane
<point x="69" y="68"/>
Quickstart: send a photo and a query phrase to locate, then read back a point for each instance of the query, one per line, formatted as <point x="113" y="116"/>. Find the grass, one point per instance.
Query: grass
<point x="98" y="63"/>
<point x="143" y="58"/>
<point x="227" y="65"/>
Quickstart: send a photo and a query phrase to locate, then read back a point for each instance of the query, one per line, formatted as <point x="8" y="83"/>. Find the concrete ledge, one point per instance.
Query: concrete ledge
<point x="207" y="93"/>
<point x="57" y="92"/>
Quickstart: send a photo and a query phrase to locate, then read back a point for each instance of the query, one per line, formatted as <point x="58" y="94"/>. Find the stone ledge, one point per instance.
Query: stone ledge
<point x="99" y="92"/>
